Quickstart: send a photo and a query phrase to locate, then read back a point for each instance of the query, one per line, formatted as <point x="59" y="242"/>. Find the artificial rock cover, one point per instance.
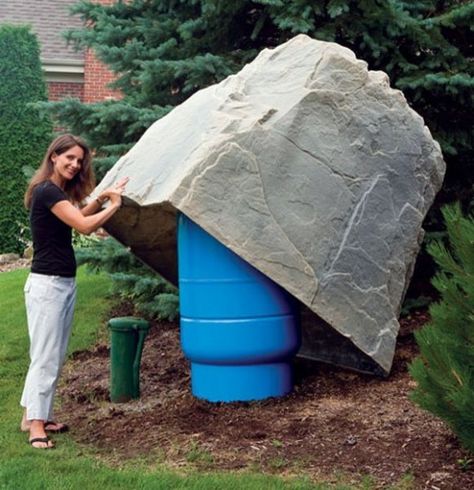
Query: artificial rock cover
<point x="309" y="167"/>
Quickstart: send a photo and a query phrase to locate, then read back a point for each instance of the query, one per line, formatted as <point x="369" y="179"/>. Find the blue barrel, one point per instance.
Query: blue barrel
<point x="238" y="328"/>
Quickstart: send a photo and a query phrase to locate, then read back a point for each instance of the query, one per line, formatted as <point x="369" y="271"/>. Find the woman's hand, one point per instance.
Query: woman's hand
<point x="115" y="196"/>
<point x="112" y="192"/>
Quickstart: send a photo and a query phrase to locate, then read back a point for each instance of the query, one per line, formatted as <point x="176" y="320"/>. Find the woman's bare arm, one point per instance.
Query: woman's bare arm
<point x="73" y="217"/>
<point x="90" y="208"/>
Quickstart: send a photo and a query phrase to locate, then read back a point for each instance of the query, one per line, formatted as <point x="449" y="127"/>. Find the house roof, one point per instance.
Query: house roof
<point x="48" y="19"/>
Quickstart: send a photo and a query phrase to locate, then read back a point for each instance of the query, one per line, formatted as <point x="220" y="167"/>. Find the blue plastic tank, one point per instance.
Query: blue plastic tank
<point x="239" y="329"/>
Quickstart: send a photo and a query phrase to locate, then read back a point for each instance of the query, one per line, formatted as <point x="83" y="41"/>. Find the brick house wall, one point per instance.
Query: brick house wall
<point x="68" y="73"/>
<point x="61" y="90"/>
<point x="96" y="76"/>
<point x="96" y="80"/>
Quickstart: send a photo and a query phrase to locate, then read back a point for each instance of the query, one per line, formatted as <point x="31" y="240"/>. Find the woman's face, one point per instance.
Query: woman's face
<point x="68" y="164"/>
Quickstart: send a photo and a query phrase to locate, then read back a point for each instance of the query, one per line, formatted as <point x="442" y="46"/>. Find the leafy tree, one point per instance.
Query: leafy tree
<point x="445" y="369"/>
<point x="24" y="132"/>
<point x="164" y="51"/>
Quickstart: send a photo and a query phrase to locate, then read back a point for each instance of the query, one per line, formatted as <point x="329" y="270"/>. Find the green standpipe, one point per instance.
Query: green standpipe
<point x="126" y="346"/>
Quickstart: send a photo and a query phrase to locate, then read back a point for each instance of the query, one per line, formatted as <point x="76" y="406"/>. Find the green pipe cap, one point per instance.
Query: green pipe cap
<point x="126" y="323"/>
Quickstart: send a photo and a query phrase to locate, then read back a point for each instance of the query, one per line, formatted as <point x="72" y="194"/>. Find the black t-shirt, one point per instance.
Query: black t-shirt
<point x="52" y="239"/>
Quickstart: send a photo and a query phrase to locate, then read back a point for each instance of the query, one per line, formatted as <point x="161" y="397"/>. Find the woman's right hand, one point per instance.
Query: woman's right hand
<point x="115" y="196"/>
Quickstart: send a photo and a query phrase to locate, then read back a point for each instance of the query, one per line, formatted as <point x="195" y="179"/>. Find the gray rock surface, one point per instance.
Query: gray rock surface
<point x="8" y="257"/>
<point x="309" y="167"/>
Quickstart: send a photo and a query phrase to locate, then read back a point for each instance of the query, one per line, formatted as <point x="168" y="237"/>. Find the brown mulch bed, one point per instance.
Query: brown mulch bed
<point x="335" y="422"/>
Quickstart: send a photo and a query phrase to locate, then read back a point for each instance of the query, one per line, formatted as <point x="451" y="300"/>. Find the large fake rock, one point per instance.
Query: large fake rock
<point x="309" y="167"/>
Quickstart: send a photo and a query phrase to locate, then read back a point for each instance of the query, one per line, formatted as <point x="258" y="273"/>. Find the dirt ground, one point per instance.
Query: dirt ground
<point x="335" y="422"/>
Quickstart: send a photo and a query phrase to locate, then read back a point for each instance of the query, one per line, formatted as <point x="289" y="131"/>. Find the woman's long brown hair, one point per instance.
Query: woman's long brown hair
<point x="83" y="182"/>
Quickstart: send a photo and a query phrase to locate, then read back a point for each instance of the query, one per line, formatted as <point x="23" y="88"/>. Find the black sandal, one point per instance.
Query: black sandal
<point x="40" y="439"/>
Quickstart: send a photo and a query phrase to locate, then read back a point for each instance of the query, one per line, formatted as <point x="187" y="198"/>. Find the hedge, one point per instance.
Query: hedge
<point x="24" y="132"/>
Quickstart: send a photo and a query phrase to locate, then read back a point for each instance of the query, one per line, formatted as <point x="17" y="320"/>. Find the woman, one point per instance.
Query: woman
<point x="54" y="198"/>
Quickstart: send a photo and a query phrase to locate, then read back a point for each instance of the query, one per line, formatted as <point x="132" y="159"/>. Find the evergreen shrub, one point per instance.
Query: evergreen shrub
<point x="151" y="295"/>
<point x="24" y="131"/>
<point x="445" y="370"/>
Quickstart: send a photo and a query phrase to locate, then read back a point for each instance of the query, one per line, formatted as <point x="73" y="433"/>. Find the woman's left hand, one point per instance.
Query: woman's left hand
<point x="117" y="188"/>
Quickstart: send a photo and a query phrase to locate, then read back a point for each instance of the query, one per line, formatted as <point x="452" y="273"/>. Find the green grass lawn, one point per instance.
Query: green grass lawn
<point x="69" y="465"/>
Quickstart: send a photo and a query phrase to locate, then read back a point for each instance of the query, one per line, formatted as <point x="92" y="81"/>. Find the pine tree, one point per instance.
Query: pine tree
<point x="445" y="369"/>
<point x="150" y="294"/>
<point x="24" y="133"/>
<point x="164" y="51"/>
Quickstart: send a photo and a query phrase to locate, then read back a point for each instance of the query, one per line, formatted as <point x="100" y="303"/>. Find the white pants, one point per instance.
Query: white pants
<point x="49" y="309"/>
